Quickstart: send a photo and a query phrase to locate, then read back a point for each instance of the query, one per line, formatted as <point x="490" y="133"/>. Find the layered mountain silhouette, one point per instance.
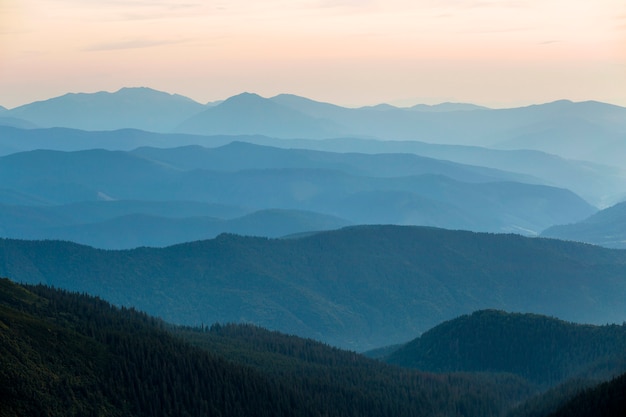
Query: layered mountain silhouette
<point x="599" y="184"/>
<point x="586" y="130"/>
<point x="352" y="188"/>
<point x="359" y="288"/>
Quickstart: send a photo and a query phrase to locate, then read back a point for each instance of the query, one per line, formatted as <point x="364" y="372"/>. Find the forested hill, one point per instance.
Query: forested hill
<point x="65" y="354"/>
<point x="359" y="287"/>
<point x="542" y="349"/>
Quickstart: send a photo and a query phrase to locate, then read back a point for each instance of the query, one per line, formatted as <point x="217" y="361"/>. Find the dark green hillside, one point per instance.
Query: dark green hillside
<point x="64" y="354"/>
<point x="359" y="287"/>
<point x="542" y="349"/>
<point x="68" y="355"/>
<point x="605" y="400"/>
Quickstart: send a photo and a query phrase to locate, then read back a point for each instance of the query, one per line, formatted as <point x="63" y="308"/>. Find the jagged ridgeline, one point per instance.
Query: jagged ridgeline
<point x="65" y="354"/>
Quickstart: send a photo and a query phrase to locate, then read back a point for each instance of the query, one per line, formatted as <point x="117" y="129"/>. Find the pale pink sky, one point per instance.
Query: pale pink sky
<point x="349" y="52"/>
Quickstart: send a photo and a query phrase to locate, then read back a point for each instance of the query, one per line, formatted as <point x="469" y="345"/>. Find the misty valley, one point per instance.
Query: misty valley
<point x="283" y="256"/>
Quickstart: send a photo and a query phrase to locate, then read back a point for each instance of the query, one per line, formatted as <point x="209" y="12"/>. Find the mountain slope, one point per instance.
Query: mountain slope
<point x="73" y="356"/>
<point x="360" y="287"/>
<point x="139" y="108"/>
<point x="605" y="228"/>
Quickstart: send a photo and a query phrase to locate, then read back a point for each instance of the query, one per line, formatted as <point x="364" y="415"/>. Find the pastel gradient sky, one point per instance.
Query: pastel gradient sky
<point x="349" y="52"/>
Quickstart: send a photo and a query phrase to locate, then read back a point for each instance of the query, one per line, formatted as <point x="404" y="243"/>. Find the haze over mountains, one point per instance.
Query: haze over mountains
<point x="422" y="228"/>
<point x="140" y="167"/>
<point x="561" y="127"/>
<point x="587" y="131"/>
<point x="328" y="190"/>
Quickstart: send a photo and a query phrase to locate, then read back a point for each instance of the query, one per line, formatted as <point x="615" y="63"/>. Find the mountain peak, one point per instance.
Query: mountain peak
<point x="245" y="97"/>
<point x="447" y="107"/>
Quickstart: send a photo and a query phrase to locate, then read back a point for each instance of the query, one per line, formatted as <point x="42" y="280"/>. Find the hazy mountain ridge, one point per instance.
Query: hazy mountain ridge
<point x="131" y="230"/>
<point x="352" y="188"/>
<point x="589" y="130"/>
<point x="447" y="106"/>
<point x="238" y="156"/>
<point x="297" y="117"/>
<point x="348" y="287"/>
<point x="251" y="114"/>
<point x="140" y="108"/>
<point x="606" y="228"/>
<point x="599" y="184"/>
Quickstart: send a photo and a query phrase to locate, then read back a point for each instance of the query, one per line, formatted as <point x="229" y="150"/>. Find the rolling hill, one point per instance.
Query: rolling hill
<point x="541" y="349"/>
<point x="360" y="287"/>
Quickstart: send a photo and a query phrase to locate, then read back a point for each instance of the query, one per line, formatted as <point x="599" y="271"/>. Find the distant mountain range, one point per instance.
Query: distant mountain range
<point x="605" y="228"/>
<point x="296" y="168"/>
<point x="599" y="184"/>
<point x="327" y="189"/>
<point x="358" y="288"/>
<point x="587" y="130"/>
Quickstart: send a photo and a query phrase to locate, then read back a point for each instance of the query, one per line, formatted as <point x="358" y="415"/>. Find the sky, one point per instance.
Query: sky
<point x="348" y="52"/>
